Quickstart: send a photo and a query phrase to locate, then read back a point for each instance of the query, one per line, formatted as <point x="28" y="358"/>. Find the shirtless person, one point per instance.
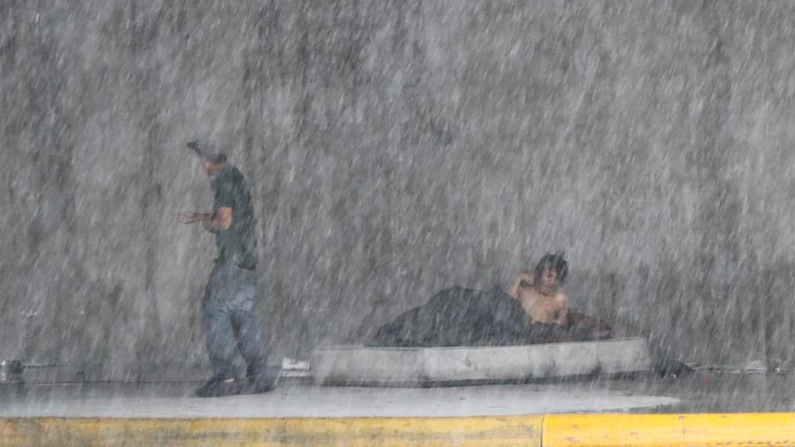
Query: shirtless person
<point x="538" y="293"/>
<point x="549" y="307"/>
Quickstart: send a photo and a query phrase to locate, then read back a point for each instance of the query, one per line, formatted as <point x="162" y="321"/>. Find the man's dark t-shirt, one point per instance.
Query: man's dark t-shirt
<point x="238" y="244"/>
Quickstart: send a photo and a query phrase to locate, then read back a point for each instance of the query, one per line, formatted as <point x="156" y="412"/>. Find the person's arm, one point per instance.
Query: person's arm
<point x="219" y="221"/>
<point x="513" y="289"/>
<point x="562" y="314"/>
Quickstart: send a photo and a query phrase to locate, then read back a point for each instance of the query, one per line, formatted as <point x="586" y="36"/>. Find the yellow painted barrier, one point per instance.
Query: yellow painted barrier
<point x="693" y="430"/>
<point x="354" y="432"/>
<point x="670" y="430"/>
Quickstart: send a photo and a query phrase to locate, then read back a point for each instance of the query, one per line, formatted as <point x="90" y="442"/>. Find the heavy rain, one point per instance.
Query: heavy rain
<point x="394" y="150"/>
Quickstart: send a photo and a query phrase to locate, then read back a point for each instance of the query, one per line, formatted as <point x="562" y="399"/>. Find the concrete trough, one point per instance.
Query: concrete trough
<point x="359" y="365"/>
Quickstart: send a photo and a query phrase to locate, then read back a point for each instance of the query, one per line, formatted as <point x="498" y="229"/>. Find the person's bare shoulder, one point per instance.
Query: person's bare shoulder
<point x="562" y="298"/>
<point x="524" y="294"/>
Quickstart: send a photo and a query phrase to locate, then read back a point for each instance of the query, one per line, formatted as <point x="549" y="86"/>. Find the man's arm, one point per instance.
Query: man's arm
<point x="562" y="313"/>
<point x="219" y="221"/>
<point x="513" y="289"/>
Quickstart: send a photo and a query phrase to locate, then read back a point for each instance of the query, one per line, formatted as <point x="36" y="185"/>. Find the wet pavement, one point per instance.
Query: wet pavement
<point x="724" y="392"/>
<point x="700" y="392"/>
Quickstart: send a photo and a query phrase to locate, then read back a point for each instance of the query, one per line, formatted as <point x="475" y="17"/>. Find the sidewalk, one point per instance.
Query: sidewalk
<point x="176" y="401"/>
<point x="619" y="412"/>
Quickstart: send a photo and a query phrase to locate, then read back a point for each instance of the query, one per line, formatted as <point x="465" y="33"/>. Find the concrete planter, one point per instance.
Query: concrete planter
<point x="427" y="366"/>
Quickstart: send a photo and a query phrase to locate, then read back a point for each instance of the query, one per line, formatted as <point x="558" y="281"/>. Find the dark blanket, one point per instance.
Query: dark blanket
<point x="468" y="317"/>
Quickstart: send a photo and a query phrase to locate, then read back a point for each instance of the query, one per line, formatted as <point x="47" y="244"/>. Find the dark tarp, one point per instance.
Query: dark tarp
<point x="469" y="317"/>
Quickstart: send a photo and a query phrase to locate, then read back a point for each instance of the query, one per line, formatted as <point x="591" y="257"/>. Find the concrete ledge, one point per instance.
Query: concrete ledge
<point x="727" y="430"/>
<point x="422" y="366"/>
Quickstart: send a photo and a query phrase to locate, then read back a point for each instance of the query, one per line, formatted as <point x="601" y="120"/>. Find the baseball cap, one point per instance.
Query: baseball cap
<point x="206" y="151"/>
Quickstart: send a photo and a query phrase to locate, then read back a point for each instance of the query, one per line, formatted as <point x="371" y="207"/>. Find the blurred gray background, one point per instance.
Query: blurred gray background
<point x="395" y="148"/>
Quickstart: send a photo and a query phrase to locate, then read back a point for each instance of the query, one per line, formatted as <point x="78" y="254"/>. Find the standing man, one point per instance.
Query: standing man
<point x="228" y="304"/>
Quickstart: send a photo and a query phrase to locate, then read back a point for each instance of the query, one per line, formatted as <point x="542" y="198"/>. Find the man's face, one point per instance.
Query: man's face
<point x="206" y="166"/>
<point x="548" y="282"/>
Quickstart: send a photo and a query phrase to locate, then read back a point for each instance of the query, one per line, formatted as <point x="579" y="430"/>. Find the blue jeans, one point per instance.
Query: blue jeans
<point x="229" y="319"/>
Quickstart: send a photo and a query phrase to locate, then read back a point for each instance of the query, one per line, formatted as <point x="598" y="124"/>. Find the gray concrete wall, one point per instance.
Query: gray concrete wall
<point x="396" y="148"/>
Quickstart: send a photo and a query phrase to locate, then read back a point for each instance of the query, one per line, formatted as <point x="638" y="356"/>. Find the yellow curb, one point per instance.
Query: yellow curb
<point x="725" y="430"/>
<point x="375" y="432"/>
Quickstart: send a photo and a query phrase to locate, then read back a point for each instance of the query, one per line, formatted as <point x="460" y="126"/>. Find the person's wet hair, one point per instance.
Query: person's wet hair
<point x="555" y="262"/>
